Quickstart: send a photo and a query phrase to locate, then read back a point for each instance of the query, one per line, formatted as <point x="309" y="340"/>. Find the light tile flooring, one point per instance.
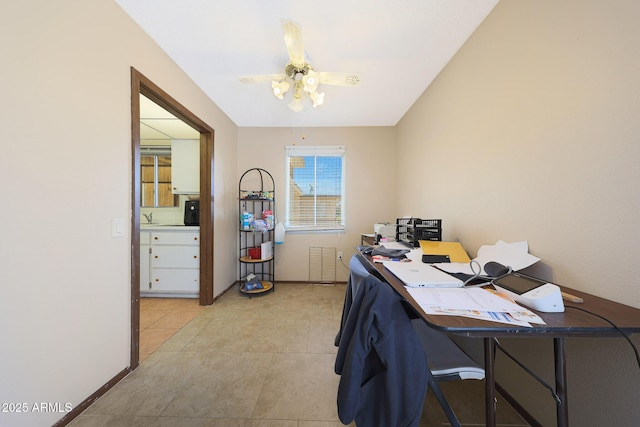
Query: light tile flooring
<point x="160" y="318"/>
<point x="260" y="362"/>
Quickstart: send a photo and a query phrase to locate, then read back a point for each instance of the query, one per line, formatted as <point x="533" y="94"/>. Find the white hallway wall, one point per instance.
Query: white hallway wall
<point x="531" y="133"/>
<point x="66" y="165"/>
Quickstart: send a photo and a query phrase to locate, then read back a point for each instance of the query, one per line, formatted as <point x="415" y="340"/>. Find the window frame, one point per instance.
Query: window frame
<point x="315" y="151"/>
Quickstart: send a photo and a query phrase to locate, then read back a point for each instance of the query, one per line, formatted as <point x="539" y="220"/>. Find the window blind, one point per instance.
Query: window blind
<point x="315" y="188"/>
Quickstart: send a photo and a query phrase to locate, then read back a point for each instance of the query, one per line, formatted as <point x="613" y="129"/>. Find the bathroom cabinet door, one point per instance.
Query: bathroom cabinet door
<point x="185" y="166"/>
<point x="145" y="262"/>
<point x="175" y="256"/>
<point x="175" y="280"/>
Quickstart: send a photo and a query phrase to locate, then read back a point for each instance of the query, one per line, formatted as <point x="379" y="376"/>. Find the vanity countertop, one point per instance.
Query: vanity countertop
<point x="172" y="227"/>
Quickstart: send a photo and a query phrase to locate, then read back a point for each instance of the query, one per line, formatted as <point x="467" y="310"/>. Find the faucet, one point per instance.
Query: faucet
<point x="149" y="217"/>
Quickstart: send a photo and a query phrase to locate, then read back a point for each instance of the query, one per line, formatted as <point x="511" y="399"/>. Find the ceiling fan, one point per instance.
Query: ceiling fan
<point x="300" y="74"/>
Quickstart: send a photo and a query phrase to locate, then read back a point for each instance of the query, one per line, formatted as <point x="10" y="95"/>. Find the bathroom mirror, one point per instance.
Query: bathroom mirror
<point x="158" y="128"/>
<point x="155" y="176"/>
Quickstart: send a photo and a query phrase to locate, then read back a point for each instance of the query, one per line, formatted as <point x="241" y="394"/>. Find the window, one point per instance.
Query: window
<point x="315" y="188"/>
<point x="155" y="175"/>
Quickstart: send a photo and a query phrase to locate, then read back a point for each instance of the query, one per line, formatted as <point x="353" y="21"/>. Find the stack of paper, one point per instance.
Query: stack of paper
<point x="477" y="303"/>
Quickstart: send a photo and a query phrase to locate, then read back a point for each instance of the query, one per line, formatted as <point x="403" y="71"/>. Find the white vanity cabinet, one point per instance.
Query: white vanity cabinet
<point x="145" y="261"/>
<point x="185" y="166"/>
<point x="173" y="262"/>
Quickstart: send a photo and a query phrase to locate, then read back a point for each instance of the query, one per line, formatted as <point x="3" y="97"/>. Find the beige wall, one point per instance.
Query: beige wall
<point x="370" y="170"/>
<point x="532" y="133"/>
<point x="66" y="168"/>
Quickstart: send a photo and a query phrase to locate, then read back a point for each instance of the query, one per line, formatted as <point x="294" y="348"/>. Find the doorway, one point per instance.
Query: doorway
<point x="140" y="85"/>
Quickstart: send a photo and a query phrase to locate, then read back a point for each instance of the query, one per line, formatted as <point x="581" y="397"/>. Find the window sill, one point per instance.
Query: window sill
<point x="315" y="230"/>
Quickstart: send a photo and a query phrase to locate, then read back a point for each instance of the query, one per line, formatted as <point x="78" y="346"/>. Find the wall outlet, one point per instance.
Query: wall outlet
<point x="339" y="254"/>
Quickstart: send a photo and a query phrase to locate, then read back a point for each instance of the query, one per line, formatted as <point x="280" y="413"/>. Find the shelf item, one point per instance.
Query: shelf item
<point x="279" y="233"/>
<point x="267" y="286"/>
<point x="256" y="226"/>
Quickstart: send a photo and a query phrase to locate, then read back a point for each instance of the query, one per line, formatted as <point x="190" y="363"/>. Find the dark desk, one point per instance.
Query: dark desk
<point x="571" y="323"/>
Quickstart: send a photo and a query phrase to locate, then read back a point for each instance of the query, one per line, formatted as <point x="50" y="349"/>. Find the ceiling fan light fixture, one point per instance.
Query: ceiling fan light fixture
<point x="317" y="98"/>
<point x="296" y="105"/>
<point x="279" y="88"/>
<point x="301" y="75"/>
<point x="311" y="81"/>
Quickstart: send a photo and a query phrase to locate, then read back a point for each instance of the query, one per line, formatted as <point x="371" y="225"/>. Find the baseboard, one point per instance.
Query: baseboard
<point x="310" y="282"/>
<point x="89" y="400"/>
<point x="290" y="282"/>
<point x="217" y="297"/>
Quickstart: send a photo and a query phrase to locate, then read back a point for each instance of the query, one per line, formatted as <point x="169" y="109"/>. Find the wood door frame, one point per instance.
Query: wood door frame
<point x="141" y="85"/>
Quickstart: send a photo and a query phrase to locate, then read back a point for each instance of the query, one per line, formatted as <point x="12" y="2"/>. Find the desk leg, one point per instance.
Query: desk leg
<point x="489" y="382"/>
<point x="562" y="407"/>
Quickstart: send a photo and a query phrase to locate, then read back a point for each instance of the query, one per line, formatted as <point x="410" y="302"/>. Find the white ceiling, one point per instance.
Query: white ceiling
<point x="158" y="126"/>
<point x="398" y="47"/>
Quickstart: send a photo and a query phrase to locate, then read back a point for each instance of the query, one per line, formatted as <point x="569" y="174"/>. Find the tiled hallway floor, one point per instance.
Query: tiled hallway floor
<point x="260" y="362"/>
<point x="160" y="318"/>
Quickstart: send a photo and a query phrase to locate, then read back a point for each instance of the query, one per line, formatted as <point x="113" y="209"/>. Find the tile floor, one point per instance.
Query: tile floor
<point x="160" y="318"/>
<point x="260" y="362"/>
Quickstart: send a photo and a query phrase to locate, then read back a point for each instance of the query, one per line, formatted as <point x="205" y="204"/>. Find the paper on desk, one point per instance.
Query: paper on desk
<point x="489" y="316"/>
<point x="462" y="299"/>
<point x="476" y="303"/>
<point x="515" y="255"/>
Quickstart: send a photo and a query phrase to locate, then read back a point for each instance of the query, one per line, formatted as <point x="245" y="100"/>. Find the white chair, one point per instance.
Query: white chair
<point x="447" y="362"/>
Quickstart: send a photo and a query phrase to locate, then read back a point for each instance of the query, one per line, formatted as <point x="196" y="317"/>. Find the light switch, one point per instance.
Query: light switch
<point x="117" y="227"/>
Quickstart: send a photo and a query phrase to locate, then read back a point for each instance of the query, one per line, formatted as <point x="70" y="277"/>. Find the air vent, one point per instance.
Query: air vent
<point x="322" y="265"/>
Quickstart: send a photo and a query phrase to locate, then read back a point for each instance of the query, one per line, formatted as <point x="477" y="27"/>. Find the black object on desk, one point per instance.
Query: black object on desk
<point x="432" y="259"/>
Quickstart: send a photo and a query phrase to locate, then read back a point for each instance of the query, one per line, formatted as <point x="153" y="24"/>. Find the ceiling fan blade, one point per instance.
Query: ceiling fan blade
<point x="339" y="79"/>
<point x="293" y="41"/>
<point x="262" y="78"/>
